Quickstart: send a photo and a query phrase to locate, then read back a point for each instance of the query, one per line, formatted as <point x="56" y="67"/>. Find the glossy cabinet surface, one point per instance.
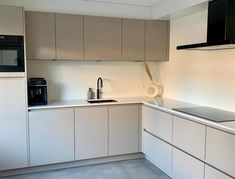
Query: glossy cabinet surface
<point x="158" y="152"/>
<point x="102" y="36"/>
<point x="133" y="39"/>
<point x="158" y="123"/>
<point x="13" y="136"/>
<point x="91" y="132"/>
<point x="51" y="136"/>
<point x="40" y="35"/>
<point x="123" y="129"/>
<point x="220" y="150"/>
<point x="189" y="136"/>
<point x="69" y="37"/>
<point x="11" y="20"/>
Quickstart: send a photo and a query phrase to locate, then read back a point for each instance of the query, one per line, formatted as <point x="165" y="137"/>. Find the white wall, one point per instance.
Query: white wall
<point x="206" y="78"/>
<point x="71" y="80"/>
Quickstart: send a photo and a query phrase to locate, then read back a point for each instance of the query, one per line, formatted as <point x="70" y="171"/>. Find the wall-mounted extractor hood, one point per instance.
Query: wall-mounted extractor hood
<point x="221" y="27"/>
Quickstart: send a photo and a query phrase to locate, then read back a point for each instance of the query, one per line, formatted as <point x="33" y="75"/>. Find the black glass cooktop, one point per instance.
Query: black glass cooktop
<point x="212" y="114"/>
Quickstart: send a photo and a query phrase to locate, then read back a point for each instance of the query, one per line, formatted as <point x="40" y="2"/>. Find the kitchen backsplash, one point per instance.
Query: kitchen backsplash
<point x="71" y="79"/>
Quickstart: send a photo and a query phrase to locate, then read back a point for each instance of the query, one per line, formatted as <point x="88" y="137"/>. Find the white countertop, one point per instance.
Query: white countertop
<point x="163" y="104"/>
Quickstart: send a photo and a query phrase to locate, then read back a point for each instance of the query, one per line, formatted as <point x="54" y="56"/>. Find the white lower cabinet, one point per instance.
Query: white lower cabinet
<point x="211" y="173"/>
<point x="158" y="123"/>
<point x="51" y="136"/>
<point x="158" y="152"/>
<point x="186" y="167"/>
<point x="91" y="132"/>
<point x="189" y="136"/>
<point x="220" y="150"/>
<point x="123" y="129"/>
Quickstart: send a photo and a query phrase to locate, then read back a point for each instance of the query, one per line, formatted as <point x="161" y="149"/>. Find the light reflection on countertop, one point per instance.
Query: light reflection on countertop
<point x="163" y="104"/>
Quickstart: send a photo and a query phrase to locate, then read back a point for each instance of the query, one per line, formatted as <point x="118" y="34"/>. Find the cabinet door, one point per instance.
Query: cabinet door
<point x="211" y="173"/>
<point x="186" y="167"/>
<point x="91" y="132"/>
<point x="220" y="150"/>
<point x="11" y="20"/>
<point x="69" y="37"/>
<point x="158" y="123"/>
<point x="123" y="129"/>
<point x="40" y="35"/>
<point x="133" y="38"/>
<point x="13" y="143"/>
<point x="51" y="136"/>
<point x="189" y="136"/>
<point x="157" y="41"/>
<point x="102" y="38"/>
<point x="158" y="152"/>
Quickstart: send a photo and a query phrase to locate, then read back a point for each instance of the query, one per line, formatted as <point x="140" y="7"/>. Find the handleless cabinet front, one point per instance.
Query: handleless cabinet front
<point x="211" y="173"/>
<point x="40" y="35"/>
<point x="133" y="38"/>
<point x="189" y="136"/>
<point x="69" y="37"/>
<point x="51" y="136"/>
<point x="157" y="123"/>
<point x="220" y="150"/>
<point x="102" y="38"/>
<point x="123" y="129"/>
<point x="157" y="40"/>
<point x="91" y="132"/>
<point x="11" y="20"/>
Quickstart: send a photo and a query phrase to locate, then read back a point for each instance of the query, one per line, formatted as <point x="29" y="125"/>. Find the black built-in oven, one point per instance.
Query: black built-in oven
<point x="12" y="53"/>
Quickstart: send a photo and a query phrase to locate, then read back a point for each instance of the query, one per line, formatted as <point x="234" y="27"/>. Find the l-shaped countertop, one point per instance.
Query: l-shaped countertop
<point x="162" y="104"/>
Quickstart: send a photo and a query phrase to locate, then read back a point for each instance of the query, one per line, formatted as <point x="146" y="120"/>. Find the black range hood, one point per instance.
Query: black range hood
<point x="220" y="27"/>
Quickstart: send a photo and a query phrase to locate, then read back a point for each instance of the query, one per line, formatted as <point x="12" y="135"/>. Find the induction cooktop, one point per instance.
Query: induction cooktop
<point x="212" y="114"/>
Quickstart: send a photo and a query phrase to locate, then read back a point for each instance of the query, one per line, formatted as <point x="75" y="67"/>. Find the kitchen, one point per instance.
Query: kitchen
<point x="200" y="77"/>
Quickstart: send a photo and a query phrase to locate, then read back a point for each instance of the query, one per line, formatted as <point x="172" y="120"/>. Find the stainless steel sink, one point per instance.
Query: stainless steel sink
<point x="101" y="101"/>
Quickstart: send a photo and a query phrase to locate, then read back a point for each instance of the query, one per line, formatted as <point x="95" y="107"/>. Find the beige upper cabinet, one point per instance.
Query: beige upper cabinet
<point x="102" y="38"/>
<point x="157" y="41"/>
<point x="40" y="35"/>
<point x="69" y="37"/>
<point x="11" y="20"/>
<point x="133" y="38"/>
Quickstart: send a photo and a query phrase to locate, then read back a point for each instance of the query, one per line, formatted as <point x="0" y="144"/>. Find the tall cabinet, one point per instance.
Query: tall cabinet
<point x="13" y="143"/>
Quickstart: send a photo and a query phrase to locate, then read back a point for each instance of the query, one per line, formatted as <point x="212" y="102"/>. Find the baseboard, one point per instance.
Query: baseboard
<point x="70" y="164"/>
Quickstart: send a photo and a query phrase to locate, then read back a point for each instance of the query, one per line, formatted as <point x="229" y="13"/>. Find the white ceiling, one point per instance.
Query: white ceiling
<point x="149" y="3"/>
<point x="137" y="9"/>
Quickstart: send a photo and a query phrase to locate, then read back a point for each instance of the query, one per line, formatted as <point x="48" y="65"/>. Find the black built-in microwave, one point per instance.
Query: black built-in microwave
<point x="12" y="53"/>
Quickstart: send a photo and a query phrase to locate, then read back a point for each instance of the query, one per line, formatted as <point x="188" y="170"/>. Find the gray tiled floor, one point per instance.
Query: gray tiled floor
<point x="130" y="169"/>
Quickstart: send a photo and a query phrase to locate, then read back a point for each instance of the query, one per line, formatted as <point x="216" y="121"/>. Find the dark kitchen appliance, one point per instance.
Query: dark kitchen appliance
<point x="220" y="27"/>
<point x="212" y="114"/>
<point x="11" y="53"/>
<point x="37" y="91"/>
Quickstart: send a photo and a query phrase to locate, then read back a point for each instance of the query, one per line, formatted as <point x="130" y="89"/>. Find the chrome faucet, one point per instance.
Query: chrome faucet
<point x="99" y="86"/>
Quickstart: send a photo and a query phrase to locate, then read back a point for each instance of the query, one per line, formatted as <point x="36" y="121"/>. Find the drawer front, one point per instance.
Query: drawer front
<point x="211" y="173"/>
<point x="220" y="150"/>
<point x="158" y="152"/>
<point x="189" y="136"/>
<point x="158" y="123"/>
<point x="186" y="167"/>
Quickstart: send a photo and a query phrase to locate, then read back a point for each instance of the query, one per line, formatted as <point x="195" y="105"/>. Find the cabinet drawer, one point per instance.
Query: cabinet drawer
<point x="189" y="136"/>
<point x="158" y="152"/>
<point x="220" y="150"/>
<point x="211" y="173"/>
<point x="158" y="123"/>
<point x="186" y="167"/>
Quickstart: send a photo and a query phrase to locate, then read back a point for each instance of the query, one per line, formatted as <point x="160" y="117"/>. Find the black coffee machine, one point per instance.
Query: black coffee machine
<point x="37" y="91"/>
